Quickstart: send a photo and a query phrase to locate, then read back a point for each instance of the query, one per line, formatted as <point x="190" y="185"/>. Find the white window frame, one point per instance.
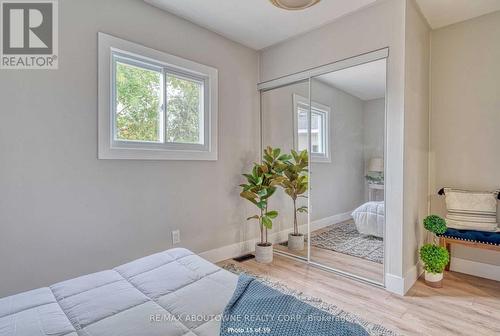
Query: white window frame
<point x="300" y="102"/>
<point x="112" y="49"/>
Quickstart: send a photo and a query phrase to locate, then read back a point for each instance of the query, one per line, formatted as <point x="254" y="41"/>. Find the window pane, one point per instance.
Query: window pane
<point x="302" y="130"/>
<point x="317" y="131"/>
<point x="138" y="115"/>
<point x="185" y="114"/>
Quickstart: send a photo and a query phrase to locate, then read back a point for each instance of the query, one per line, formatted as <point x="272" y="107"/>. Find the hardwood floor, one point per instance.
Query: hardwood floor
<point x="466" y="305"/>
<point x="340" y="261"/>
<point x="343" y="262"/>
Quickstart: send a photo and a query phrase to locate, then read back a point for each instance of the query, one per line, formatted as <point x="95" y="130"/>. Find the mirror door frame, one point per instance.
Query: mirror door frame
<point x="308" y="75"/>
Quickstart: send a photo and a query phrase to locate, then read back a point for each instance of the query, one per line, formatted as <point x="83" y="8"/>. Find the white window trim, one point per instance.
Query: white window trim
<point x="299" y="101"/>
<point x="108" y="148"/>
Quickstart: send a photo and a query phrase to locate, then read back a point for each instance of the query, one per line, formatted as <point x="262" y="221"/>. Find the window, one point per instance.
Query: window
<point x="154" y="106"/>
<point x="320" y="138"/>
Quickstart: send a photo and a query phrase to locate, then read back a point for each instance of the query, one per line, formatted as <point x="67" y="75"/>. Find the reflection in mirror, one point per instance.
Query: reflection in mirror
<point x="284" y="126"/>
<point x="347" y="169"/>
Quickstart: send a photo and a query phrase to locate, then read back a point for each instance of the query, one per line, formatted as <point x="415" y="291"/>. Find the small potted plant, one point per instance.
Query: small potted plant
<point x="258" y="190"/>
<point x="294" y="180"/>
<point x="434" y="257"/>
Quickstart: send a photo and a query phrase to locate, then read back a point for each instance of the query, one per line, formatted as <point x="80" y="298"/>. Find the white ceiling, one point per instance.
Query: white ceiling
<point x="257" y="23"/>
<point x="440" y="13"/>
<point x="366" y="81"/>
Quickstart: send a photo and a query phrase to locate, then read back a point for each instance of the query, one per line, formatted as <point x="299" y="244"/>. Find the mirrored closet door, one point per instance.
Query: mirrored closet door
<point x="335" y="116"/>
<point x="347" y="170"/>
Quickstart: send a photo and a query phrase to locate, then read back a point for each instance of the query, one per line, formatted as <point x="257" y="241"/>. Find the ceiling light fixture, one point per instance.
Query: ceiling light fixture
<point x="294" y="4"/>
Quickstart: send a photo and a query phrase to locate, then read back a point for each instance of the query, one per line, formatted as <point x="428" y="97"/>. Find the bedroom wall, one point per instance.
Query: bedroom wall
<point x="63" y="213"/>
<point x="383" y="26"/>
<point x="416" y="158"/>
<point x="373" y="131"/>
<point x="465" y="121"/>
<point x="337" y="187"/>
<point x="373" y="128"/>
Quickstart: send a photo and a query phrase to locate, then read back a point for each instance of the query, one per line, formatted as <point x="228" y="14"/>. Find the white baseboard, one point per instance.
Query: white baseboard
<point x="324" y="222"/>
<point x="237" y="249"/>
<point x="412" y="276"/>
<point x="394" y="284"/>
<point x="475" y="268"/>
<point x="401" y="285"/>
<point x="229" y="251"/>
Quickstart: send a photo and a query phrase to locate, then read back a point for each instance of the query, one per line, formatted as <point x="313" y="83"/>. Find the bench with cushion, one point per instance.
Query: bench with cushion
<point x="470" y="238"/>
<point x="471" y="219"/>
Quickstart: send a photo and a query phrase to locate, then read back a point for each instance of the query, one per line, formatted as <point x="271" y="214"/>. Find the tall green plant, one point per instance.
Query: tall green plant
<point x="258" y="189"/>
<point x="261" y="185"/>
<point x="295" y="182"/>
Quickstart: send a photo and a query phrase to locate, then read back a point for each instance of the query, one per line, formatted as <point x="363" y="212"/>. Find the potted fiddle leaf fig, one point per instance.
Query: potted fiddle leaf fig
<point x="276" y="163"/>
<point x="434" y="257"/>
<point x="295" y="181"/>
<point x="258" y="190"/>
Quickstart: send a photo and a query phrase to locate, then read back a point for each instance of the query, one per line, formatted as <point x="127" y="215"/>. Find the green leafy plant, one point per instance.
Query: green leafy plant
<point x="138" y="95"/>
<point x="258" y="189"/>
<point x="275" y="162"/>
<point x="434" y="257"/>
<point x="435" y="224"/>
<point x="375" y="177"/>
<point x="295" y="181"/>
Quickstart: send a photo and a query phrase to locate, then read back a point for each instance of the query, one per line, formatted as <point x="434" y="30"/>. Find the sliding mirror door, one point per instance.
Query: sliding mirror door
<point x="347" y="165"/>
<point x="284" y="127"/>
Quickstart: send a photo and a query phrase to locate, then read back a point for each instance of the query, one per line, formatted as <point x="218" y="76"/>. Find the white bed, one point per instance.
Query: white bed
<point x="370" y="218"/>
<point x="138" y="298"/>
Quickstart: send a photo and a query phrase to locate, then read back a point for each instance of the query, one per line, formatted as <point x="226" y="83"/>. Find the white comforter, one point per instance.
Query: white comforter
<point x="136" y="299"/>
<point x="370" y="218"/>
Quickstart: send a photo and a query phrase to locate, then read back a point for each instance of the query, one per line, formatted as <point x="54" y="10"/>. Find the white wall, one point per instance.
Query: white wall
<point x="63" y="213"/>
<point x="416" y="159"/>
<point x="373" y="134"/>
<point x="373" y="128"/>
<point x="382" y="26"/>
<point x="337" y="187"/>
<point x="465" y="118"/>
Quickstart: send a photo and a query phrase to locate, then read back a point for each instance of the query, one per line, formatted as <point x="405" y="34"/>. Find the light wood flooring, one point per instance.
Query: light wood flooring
<point x="343" y="262"/>
<point x="466" y="305"/>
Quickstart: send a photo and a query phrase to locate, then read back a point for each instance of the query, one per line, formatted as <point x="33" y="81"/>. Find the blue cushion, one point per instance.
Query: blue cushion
<point x="491" y="238"/>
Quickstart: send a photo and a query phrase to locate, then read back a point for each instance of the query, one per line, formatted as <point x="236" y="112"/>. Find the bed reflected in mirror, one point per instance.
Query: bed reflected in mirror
<point x="347" y="170"/>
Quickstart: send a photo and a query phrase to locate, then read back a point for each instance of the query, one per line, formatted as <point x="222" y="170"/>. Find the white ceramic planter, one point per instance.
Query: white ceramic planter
<point x="434" y="279"/>
<point x="295" y="242"/>
<point x="264" y="254"/>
